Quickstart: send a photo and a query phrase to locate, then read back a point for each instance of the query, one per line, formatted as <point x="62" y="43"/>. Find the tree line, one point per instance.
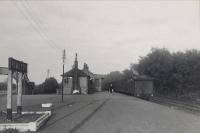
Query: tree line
<point x="175" y="73"/>
<point x="3" y="86"/>
<point x="49" y="86"/>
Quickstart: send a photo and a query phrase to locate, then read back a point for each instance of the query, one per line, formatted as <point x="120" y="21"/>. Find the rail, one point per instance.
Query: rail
<point x="183" y="104"/>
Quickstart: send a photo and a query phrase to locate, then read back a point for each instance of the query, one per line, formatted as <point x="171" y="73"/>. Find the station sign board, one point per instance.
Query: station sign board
<point x="16" y="65"/>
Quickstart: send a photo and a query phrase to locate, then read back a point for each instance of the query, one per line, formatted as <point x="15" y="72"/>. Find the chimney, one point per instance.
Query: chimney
<point x="85" y="66"/>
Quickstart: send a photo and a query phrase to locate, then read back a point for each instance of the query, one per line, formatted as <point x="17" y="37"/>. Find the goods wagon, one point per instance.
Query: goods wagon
<point x="143" y="89"/>
<point x="139" y="86"/>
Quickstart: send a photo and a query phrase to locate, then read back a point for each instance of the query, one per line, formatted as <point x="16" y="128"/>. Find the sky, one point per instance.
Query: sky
<point x="107" y="35"/>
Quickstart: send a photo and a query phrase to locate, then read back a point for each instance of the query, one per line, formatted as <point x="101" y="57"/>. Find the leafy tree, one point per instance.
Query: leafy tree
<point x="157" y="64"/>
<point x="127" y="73"/>
<point x="175" y="73"/>
<point x="47" y="87"/>
<point x="112" y="76"/>
<point x="3" y="86"/>
<point x="50" y="85"/>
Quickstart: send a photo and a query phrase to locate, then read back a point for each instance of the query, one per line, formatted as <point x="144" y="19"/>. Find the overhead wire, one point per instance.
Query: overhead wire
<point x="30" y="11"/>
<point x="34" y="24"/>
<point x="42" y="28"/>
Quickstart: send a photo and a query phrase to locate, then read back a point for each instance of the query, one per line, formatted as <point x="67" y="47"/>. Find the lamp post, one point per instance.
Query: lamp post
<point x="63" y="58"/>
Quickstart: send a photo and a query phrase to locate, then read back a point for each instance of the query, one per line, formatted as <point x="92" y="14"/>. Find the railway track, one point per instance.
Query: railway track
<point x="192" y="106"/>
<point x="81" y="123"/>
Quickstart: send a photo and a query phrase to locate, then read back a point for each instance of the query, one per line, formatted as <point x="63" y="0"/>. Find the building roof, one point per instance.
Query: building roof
<point x="87" y="72"/>
<point x="71" y="72"/>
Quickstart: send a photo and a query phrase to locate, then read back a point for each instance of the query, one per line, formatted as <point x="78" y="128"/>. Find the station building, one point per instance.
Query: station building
<point x="81" y="81"/>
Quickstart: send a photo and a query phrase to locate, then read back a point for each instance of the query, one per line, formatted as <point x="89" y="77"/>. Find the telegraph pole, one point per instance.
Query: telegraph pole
<point x="63" y="58"/>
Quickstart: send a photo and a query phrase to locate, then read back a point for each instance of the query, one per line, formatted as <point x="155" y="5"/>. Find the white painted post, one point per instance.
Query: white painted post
<point x="19" y="94"/>
<point x="9" y="95"/>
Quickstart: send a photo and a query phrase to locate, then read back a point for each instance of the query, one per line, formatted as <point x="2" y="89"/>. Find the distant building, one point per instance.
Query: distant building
<point x="81" y="81"/>
<point x="95" y="79"/>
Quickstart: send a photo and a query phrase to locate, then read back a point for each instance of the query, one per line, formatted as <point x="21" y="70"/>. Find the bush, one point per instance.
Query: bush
<point x="49" y="86"/>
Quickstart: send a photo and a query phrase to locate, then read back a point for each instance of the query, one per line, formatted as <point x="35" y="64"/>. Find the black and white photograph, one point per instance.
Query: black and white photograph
<point x="99" y="66"/>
